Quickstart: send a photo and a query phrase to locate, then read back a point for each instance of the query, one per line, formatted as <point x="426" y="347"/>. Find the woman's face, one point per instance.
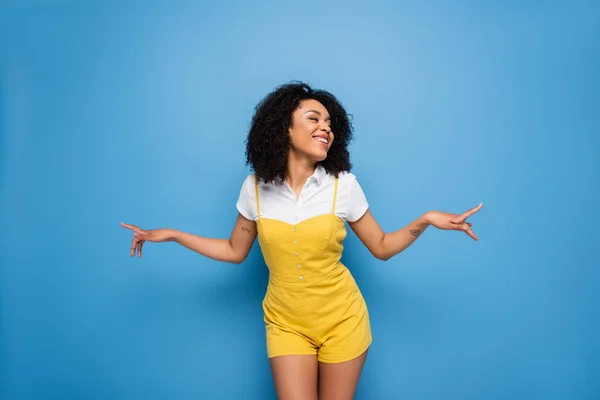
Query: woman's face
<point x="310" y="133"/>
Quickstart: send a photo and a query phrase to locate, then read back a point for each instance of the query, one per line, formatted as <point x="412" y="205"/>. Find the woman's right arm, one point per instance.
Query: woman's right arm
<point x="232" y="250"/>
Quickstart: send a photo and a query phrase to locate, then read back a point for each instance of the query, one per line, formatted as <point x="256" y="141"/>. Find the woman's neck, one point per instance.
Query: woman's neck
<point x="298" y="171"/>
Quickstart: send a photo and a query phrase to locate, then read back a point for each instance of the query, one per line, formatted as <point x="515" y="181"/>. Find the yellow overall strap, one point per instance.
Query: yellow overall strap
<point x="334" y="195"/>
<point x="257" y="201"/>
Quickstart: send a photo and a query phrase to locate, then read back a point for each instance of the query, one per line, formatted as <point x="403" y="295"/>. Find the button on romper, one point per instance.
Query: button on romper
<point x="312" y="304"/>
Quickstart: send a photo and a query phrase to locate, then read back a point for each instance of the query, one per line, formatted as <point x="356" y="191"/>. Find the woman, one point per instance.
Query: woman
<point x="298" y="201"/>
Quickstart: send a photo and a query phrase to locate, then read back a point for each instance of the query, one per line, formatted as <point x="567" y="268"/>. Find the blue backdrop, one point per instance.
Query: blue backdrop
<point x="138" y="112"/>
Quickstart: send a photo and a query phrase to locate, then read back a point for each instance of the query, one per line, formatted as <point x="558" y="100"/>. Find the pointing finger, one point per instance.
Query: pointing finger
<point x="128" y="226"/>
<point x="470" y="212"/>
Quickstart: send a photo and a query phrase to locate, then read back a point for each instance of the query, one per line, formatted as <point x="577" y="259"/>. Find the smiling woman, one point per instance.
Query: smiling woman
<point x="297" y="202"/>
<point x="299" y="112"/>
<point x="311" y="123"/>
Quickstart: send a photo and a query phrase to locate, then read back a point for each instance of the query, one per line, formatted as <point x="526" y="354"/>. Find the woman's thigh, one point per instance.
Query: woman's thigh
<point x="295" y="376"/>
<point x="339" y="381"/>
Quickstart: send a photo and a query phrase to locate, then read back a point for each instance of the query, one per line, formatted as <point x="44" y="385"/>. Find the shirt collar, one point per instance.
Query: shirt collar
<point x="319" y="175"/>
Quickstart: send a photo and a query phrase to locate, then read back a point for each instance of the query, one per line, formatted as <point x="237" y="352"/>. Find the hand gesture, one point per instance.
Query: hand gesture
<point x="140" y="236"/>
<point x="447" y="221"/>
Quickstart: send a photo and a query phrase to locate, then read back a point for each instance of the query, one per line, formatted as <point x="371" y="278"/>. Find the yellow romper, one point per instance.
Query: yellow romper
<point x="312" y="304"/>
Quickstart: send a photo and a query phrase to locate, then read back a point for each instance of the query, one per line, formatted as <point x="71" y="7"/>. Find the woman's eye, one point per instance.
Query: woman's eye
<point x="315" y="119"/>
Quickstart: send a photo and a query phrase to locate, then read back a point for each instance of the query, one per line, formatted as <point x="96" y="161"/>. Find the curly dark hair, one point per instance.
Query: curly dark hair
<point x="268" y="141"/>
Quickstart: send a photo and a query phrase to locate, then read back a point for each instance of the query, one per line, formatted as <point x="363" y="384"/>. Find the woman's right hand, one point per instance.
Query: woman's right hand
<point x="140" y="236"/>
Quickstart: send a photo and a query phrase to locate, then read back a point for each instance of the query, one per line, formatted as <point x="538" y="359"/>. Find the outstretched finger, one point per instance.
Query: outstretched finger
<point x="140" y="248"/>
<point x="470" y="212"/>
<point x="134" y="243"/>
<point x="131" y="227"/>
<point x="470" y="232"/>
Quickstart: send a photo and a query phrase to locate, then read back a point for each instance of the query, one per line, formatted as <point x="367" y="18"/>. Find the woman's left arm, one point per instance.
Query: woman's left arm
<point x="386" y="245"/>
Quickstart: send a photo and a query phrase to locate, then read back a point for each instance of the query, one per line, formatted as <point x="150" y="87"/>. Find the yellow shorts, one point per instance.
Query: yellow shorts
<point x="329" y="320"/>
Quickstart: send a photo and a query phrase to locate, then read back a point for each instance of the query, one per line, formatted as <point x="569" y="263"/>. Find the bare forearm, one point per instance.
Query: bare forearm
<point x="386" y="245"/>
<point x="395" y="242"/>
<point x="216" y="249"/>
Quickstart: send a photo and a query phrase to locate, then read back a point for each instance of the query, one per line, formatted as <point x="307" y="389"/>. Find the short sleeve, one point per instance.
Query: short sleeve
<point x="357" y="204"/>
<point x="246" y="204"/>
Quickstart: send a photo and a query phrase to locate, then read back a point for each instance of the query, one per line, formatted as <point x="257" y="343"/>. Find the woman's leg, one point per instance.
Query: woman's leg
<point x="295" y="376"/>
<point x="339" y="381"/>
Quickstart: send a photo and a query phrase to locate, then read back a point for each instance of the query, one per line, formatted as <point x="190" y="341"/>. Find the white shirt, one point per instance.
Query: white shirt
<point x="278" y="201"/>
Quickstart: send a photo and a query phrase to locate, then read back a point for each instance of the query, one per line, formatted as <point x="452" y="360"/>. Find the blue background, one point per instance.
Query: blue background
<point x="138" y="112"/>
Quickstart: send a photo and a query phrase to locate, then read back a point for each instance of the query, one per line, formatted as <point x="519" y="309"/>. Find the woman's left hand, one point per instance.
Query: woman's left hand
<point x="455" y="222"/>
